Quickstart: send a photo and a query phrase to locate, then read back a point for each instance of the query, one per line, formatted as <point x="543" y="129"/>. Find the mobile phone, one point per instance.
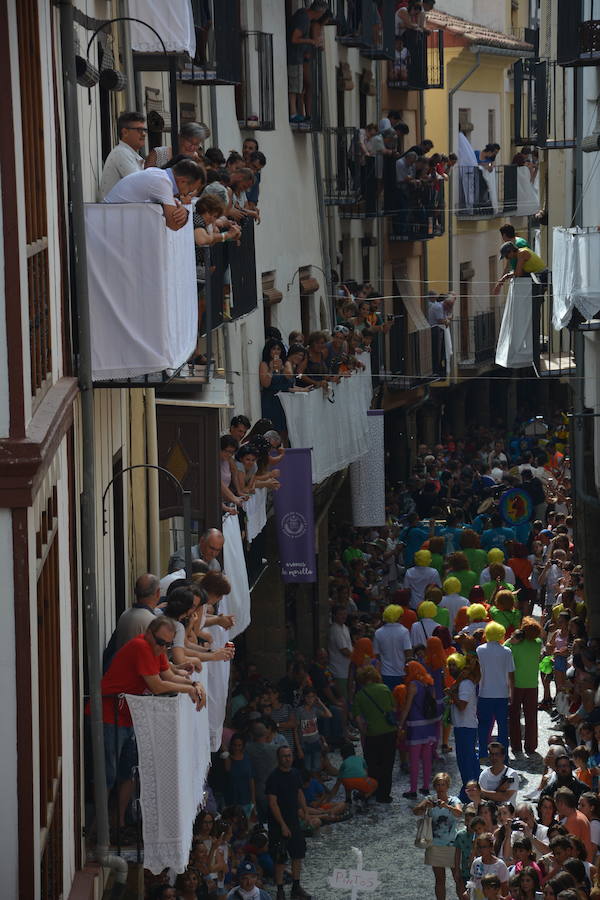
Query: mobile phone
<point x="390" y="317"/>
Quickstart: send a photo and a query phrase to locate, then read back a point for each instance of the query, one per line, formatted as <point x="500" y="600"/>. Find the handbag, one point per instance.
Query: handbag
<point x="424" y="836"/>
<point x="430" y="709"/>
<point x="389" y="716"/>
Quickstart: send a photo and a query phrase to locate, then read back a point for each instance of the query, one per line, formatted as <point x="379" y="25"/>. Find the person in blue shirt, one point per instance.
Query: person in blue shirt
<point x="497" y="535"/>
<point x="412" y="536"/>
<point x="452" y="531"/>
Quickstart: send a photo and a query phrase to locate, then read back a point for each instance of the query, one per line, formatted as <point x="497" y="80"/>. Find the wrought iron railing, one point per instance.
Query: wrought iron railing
<point x="342" y="164"/>
<point x="418" y="62"/>
<point x="481" y="193"/>
<point x="218" y="58"/>
<point x="256" y="95"/>
<point x="578" y="32"/>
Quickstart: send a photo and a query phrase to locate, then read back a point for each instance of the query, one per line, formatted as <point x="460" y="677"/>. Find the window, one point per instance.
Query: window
<point x="255" y="98"/>
<point x="218" y="57"/>
<point x="271" y="296"/>
<point x="464" y="120"/>
<point x="467" y="274"/>
<point x="308" y="287"/>
<point x="491" y="126"/>
<point x="34" y="200"/>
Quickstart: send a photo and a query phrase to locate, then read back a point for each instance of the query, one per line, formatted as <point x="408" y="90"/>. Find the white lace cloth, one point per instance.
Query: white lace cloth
<point x="515" y="340"/>
<point x="256" y="512"/>
<point x="337" y="432"/>
<point x="173" y="20"/>
<point x="575" y="274"/>
<point x="142" y="285"/>
<point x="367" y="477"/>
<point x="174" y="757"/>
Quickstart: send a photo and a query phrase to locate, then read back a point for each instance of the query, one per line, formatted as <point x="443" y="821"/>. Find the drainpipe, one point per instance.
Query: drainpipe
<point x="451" y="94"/>
<point x="321" y="212"/>
<point x="127" y="56"/>
<point x="152" y="481"/>
<point x="88" y="494"/>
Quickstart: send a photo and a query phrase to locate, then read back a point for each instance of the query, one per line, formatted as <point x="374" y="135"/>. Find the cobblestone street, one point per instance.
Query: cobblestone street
<point x="386" y="837"/>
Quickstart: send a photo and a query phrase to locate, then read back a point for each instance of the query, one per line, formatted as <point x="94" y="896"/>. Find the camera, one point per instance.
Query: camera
<point x="517" y="825"/>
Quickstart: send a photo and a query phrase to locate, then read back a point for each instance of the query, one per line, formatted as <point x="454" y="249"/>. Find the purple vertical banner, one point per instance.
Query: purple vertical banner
<point x="295" y="518"/>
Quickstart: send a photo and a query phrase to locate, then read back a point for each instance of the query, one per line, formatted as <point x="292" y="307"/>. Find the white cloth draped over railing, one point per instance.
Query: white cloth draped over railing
<point x="256" y="513"/>
<point x="173" y="20"/>
<point x="174" y="756"/>
<point x="367" y="477"/>
<point x="336" y="432"/>
<point x="142" y="286"/>
<point x="515" y="340"/>
<point x="528" y="192"/>
<point x="575" y="274"/>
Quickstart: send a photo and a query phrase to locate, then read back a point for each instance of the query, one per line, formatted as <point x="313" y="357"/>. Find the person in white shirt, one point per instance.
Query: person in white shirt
<point x="340" y="648"/>
<point x="496" y="686"/>
<point x="424" y="627"/>
<point x="169" y="187"/>
<point x="463" y="712"/>
<point x="392" y="646"/>
<point x="124" y="158"/>
<point x="420" y="576"/>
<point x="496" y="555"/>
<point x="452" y="599"/>
<point x="551" y="575"/>
<point x="498" y="782"/>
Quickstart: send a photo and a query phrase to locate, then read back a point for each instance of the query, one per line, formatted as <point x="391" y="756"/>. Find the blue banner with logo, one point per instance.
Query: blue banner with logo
<point x="294" y="517"/>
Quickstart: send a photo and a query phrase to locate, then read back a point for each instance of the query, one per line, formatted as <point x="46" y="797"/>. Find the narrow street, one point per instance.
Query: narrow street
<point x="386" y="837"/>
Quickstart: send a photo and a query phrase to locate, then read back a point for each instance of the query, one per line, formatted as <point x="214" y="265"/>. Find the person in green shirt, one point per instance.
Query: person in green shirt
<point x="526" y="648"/>
<point x="436" y="548"/>
<point x="458" y="566"/>
<point x="442" y="616"/>
<point x="508" y="234"/>
<point x="372" y="706"/>
<point x="496" y="583"/>
<point x="469" y="542"/>
<point x="503" y="611"/>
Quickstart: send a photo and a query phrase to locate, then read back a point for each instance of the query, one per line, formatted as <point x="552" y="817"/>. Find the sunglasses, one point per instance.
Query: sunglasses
<point x="162" y="643"/>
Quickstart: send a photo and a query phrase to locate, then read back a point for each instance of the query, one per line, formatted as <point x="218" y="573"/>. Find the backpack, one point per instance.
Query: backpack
<point x="430" y="709"/>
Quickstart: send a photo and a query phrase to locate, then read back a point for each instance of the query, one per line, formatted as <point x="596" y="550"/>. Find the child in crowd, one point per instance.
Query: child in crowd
<point x="490" y="887"/>
<point x="581" y="758"/>
<point x="308" y="714"/>
<point x="353" y="776"/>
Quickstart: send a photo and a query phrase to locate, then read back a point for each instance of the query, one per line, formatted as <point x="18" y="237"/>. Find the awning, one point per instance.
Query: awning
<point x="173" y="21"/>
<point x="575" y="274"/>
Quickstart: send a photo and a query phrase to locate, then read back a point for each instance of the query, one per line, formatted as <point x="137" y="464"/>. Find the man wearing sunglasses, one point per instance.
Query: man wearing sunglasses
<point x="139" y="667"/>
<point x="125" y="157"/>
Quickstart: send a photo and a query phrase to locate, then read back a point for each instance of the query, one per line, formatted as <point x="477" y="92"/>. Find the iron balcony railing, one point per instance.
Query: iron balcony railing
<point x="418" y="62"/>
<point x="578" y="32"/>
<point x="313" y="95"/>
<point x="218" y="58"/>
<point x="255" y="98"/>
<point x="477" y="338"/>
<point x="481" y="193"/>
<point x="544" y="105"/>
<point x="342" y="164"/>
<point x="368" y="25"/>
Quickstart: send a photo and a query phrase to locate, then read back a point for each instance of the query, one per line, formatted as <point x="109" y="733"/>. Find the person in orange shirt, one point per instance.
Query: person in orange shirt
<point x="574" y="821"/>
<point x="581" y="759"/>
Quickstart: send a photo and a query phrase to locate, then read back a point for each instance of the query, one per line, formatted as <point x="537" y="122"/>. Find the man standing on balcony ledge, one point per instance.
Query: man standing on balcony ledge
<point x="173" y="188"/>
<point x="124" y="158"/>
<point x="298" y="42"/>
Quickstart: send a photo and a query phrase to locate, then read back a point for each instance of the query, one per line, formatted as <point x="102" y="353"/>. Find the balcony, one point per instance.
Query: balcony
<point x="368" y="26"/>
<point x="255" y="97"/>
<point x="410" y="347"/>
<point x="218" y="58"/>
<point x="142" y="292"/>
<point x="578" y="33"/>
<point x="421" y="65"/>
<point x="342" y="166"/>
<point x="418" y="213"/>
<point x="337" y="432"/>
<point x="483" y="194"/>
<point x="543" y="112"/>
<point x="313" y="97"/>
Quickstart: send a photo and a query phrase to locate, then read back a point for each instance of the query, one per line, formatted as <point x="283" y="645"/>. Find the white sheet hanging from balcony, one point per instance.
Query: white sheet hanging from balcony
<point x="467" y="164"/>
<point x="491" y="182"/>
<point x="237" y="603"/>
<point x="142" y="287"/>
<point x="217" y="687"/>
<point x="515" y="341"/>
<point x="172" y="19"/>
<point x="256" y="513"/>
<point x="174" y="757"/>
<point x="575" y="274"/>
<point x="528" y="192"/>
<point x="367" y="477"/>
<point x="336" y="432"/>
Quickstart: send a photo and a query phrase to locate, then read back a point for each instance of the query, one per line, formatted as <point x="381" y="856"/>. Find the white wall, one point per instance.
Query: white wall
<point x="480" y="103"/>
<point x="8" y="705"/>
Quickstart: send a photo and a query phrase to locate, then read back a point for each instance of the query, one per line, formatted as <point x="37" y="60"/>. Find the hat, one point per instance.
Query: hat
<point x="495" y="555"/>
<point x="506" y="248"/>
<point x="427" y="609"/>
<point x="494" y="632"/>
<point x="246" y="868"/>
<point x="392" y="613"/>
<point x="458" y="659"/>
<point x="423" y="558"/>
<point x="452" y="585"/>
<point x="341" y="329"/>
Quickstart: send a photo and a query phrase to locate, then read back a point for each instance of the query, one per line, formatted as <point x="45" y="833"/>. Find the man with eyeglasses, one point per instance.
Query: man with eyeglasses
<point x="139" y="667"/>
<point x="125" y="157"/>
<point x="208" y="549"/>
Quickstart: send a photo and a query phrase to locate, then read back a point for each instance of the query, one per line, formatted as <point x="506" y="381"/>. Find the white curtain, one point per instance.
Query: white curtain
<point x="256" y="513"/>
<point x="172" y="19"/>
<point x="142" y="288"/>
<point x="515" y="341"/>
<point x="174" y="758"/>
<point x="336" y="432"/>
<point x="491" y="183"/>
<point x="528" y="192"/>
<point x="367" y="477"/>
<point x="467" y="164"/>
<point x="237" y="603"/>
<point x="575" y="274"/>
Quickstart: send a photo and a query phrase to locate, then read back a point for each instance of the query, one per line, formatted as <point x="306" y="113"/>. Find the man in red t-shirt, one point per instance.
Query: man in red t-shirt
<point x="139" y="667"/>
<point x="574" y="821"/>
